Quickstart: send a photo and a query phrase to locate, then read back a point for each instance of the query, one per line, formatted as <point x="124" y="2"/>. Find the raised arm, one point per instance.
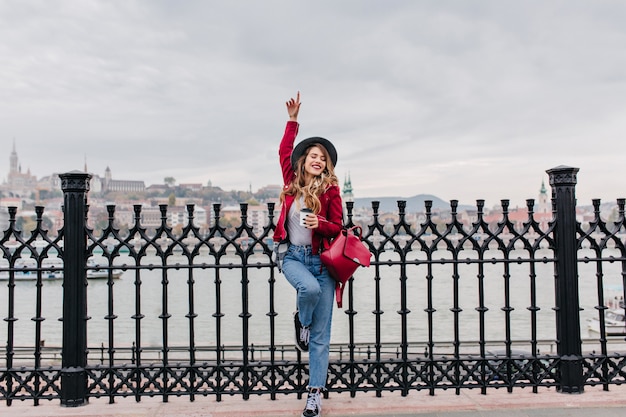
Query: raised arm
<point x="286" y="144"/>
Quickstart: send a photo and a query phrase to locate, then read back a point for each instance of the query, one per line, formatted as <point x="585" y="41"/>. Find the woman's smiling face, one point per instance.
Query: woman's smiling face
<point x="315" y="162"/>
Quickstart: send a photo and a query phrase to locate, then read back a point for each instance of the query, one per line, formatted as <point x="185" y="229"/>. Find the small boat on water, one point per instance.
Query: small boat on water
<point x="29" y="272"/>
<point x="614" y="314"/>
<point x="103" y="273"/>
<point x="31" y="275"/>
<point x="58" y="275"/>
<point x="614" y="322"/>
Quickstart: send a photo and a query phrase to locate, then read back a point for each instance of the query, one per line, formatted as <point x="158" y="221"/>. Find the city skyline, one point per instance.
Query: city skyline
<point x="107" y="176"/>
<point x="461" y="100"/>
<point x="22" y="183"/>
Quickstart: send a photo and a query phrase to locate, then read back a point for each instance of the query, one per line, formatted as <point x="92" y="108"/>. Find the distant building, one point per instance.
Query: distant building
<point x="178" y="215"/>
<point x="195" y="187"/>
<point x="25" y="185"/>
<point x="542" y="213"/>
<point x="98" y="185"/>
<point x="18" y="183"/>
<point x="124" y="186"/>
<point x="49" y="183"/>
<point x="7" y="202"/>
<point x="151" y="216"/>
<point x="257" y="216"/>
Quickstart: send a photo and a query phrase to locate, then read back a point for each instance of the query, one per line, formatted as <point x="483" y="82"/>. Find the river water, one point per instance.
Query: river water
<point x="258" y="304"/>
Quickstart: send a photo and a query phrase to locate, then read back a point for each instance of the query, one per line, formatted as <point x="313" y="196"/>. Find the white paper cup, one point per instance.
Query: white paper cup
<point x="303" y="213"/>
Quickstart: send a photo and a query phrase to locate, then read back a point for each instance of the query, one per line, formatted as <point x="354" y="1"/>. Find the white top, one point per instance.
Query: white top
<point x="298" y="235"/>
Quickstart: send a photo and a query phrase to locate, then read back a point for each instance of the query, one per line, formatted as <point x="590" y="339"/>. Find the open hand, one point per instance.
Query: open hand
<point x="293" y="107"/>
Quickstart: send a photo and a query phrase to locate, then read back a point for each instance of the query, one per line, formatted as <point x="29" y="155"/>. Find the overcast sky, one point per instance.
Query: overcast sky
<point x="460" y="99"/>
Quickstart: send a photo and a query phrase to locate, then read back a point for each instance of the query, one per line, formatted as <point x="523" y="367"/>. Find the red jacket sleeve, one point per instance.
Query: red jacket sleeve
<point x="285" y="149"/>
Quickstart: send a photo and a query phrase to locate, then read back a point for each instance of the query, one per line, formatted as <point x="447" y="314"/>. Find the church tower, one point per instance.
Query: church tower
<point x="347" y="194"/>
<point x="13" y="161"/>
<point x="19" y="184"/>
<point x="543" y="203"/>
<point x="107" y="178"/>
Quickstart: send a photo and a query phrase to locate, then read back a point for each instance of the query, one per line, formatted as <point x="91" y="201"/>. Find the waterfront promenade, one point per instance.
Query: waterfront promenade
<point x="470" y="403"/>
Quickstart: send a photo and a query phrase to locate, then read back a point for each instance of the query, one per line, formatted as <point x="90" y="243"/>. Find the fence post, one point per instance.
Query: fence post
<point x="563" y="183"/>
<point x="75" y="186"/>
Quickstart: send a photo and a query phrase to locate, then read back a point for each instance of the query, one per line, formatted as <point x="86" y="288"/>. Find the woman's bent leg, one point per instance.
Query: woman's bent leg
<point x="306" y="284"/>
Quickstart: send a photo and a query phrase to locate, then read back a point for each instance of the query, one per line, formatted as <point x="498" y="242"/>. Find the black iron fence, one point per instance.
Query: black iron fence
<point x="450" y="302"/>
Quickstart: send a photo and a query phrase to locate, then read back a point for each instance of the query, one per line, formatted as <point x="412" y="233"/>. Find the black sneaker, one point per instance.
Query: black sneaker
<point x="313" y="407"/>
<point x="302" y="334"/>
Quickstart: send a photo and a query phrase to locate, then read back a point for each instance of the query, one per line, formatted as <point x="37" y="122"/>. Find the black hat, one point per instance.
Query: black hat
<point x="301" y="147"/>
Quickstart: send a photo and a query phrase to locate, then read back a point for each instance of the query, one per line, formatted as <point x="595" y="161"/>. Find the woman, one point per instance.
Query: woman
<point x="310" y="183"/>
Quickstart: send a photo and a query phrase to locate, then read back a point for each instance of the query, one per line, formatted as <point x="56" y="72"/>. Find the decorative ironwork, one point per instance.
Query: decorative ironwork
<point x="439" y="283"/>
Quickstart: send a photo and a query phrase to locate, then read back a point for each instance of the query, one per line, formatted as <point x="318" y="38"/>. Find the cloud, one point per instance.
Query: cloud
<point x="461" y="100"/>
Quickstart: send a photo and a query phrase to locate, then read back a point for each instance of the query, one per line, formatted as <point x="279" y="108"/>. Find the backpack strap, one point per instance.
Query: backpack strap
<point x="339" y="287"/>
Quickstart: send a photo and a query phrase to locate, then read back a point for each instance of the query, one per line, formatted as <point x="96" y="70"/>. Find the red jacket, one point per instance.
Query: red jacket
<point x="330" y="216"/>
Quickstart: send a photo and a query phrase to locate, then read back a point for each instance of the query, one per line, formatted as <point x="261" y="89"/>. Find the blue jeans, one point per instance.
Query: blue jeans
<point x="315" y="297"/>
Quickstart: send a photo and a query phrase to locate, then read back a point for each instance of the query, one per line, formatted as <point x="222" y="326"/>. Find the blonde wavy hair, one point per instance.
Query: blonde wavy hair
<point x="311" y="192"/>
